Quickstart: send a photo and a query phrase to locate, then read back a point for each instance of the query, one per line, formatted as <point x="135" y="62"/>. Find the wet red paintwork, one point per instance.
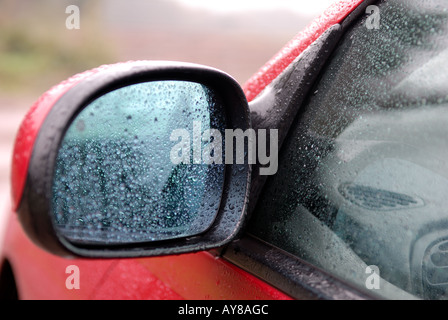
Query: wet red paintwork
<point x="41" y="275"/>
<point x="195" y="276"/>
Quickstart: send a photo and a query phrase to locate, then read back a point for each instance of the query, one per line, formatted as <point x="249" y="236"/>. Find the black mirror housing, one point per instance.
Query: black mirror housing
<point x="37" y="207"/>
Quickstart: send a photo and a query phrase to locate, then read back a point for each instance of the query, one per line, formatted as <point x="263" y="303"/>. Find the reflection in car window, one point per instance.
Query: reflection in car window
<point x="363" y="176"/>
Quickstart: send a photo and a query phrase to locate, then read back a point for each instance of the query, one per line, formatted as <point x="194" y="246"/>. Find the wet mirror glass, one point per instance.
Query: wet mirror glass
<point x="141" y="163"/>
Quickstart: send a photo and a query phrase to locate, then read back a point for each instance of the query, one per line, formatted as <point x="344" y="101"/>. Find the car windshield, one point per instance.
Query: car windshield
<point x="361" y="189"/>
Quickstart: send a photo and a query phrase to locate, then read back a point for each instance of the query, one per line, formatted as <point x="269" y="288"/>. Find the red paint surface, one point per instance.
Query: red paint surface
<point x="41" y="275"/>
<point x="195" y="276"/>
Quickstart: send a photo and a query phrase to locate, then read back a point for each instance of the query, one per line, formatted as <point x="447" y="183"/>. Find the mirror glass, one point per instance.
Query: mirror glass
<point x="141" y="163"/>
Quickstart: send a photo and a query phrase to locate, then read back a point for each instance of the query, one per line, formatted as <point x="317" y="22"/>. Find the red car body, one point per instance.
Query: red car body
<point x="203" y="275"/>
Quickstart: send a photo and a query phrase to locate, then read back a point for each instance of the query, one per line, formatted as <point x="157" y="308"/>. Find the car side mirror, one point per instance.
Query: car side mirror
<point x="131" y="161"/>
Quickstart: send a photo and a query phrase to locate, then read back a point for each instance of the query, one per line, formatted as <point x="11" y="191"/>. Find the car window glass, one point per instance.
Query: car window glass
<point x="361" y="189"/>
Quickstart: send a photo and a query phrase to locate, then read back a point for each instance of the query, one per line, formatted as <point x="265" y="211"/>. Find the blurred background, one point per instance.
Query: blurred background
<point x="37" y="50"/>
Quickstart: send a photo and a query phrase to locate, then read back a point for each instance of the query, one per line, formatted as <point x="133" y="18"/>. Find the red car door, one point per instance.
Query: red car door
<point x="203" y="275"/>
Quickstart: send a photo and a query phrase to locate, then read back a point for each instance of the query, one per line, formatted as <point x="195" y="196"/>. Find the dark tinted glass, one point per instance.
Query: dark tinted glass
<point x="363" y="177"/>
